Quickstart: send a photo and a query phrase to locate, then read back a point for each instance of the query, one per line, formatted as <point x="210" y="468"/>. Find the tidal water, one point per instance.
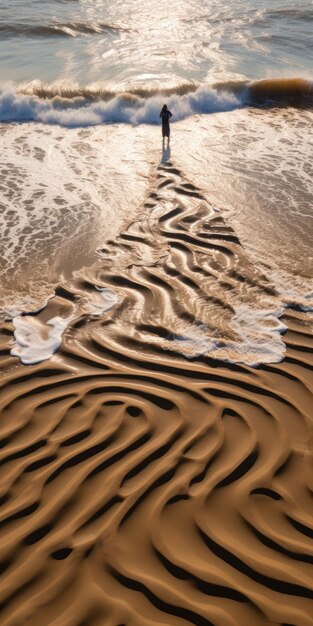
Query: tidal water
<point x="132" y="42"/>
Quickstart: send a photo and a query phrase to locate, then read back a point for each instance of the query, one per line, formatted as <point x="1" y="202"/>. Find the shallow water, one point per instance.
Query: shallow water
<point x="131" y="42"/>
<point x="63" y="193"/>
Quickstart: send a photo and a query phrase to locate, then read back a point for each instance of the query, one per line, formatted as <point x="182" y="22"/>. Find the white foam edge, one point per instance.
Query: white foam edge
<point x="15" y="106"/>
<point x="36" y="341"/>
<point x="103" y="300"/>
<point x="10" y="312"/>
<point x="260" y="332"/>
<point x="259" y="341"/>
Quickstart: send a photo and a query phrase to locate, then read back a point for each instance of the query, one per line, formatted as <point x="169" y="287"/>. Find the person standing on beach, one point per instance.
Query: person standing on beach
<point x="165" y="116"/>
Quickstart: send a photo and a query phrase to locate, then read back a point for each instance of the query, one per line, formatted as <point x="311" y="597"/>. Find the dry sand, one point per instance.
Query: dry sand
<point x="139" y="487"/>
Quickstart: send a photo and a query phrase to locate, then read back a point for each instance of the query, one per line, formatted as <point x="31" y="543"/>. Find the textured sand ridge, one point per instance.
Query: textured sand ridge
<point x="142" y="481"/>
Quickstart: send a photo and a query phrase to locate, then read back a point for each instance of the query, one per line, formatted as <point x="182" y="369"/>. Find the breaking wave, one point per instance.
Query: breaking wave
<point x="74" y="105"/>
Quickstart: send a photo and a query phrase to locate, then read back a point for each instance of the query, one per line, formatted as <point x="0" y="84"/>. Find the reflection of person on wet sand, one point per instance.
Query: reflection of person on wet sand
<point x="165" y="116"/>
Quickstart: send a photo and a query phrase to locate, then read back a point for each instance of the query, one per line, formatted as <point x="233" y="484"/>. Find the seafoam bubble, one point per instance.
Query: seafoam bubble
<point x="37" y="341"/>
<point x="259" y="338"/>
<point x="260" y="332"/>
<point x="100" y="301"/>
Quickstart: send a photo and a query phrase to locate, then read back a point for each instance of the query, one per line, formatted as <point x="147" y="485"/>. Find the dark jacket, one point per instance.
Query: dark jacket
<point x="165" y="116"/>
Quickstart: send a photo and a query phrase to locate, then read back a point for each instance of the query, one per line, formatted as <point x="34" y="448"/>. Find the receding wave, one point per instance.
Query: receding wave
<point x="74" y="105"/>
<point x="57" y="29"/>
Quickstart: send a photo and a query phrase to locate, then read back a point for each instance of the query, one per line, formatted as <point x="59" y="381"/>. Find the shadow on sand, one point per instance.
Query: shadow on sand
<point x="166" y="153"/>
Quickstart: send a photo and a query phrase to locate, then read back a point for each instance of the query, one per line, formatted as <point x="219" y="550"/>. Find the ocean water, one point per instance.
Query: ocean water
<point x="81" y="86"/>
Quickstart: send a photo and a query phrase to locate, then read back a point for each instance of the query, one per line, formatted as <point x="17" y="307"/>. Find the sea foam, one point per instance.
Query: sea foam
<point x="123" y="108"/>
<point x="37" y="341"/>
<point x="76" y="106"/>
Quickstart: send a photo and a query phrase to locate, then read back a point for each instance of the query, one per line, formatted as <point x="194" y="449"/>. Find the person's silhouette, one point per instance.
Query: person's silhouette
<point x="165" y="116"/>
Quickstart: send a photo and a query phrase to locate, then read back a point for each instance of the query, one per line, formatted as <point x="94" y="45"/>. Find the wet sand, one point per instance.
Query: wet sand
<point x="142" y="481"/>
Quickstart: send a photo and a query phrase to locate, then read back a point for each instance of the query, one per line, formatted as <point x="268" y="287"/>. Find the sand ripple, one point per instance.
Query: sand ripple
<point x="139" y="487"/>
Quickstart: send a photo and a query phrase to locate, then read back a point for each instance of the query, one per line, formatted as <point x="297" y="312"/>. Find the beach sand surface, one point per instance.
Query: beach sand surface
<point x="152" y="471"/>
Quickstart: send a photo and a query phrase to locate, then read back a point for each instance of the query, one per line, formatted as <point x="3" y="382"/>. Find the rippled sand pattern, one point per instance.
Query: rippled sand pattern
<point x="139" y="487"/>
